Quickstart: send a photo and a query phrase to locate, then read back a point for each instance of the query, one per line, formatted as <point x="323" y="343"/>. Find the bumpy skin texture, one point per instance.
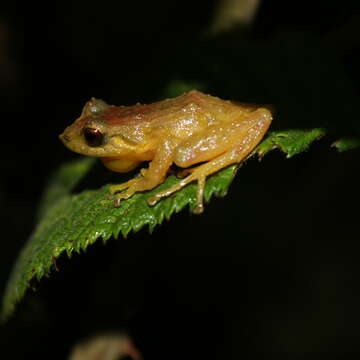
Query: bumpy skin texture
<point x="189" y="129"/>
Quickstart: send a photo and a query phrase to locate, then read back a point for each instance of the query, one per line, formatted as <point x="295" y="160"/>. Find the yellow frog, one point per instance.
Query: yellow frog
<point x="190" y="129"/>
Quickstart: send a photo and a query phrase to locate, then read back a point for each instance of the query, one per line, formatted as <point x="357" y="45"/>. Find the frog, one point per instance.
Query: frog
<point x="198" y="133"/>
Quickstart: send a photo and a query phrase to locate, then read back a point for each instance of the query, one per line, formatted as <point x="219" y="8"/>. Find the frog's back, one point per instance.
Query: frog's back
<point x="208" y="106"/>
<point x="188" y="103"/>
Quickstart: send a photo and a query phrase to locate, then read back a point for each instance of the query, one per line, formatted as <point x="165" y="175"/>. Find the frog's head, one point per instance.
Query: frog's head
<point x="94" y="135"/>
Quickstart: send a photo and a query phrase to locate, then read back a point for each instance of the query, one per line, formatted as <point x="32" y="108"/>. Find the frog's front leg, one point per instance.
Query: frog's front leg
<point x="150" y="177"/>
<point x="119" y="187"/>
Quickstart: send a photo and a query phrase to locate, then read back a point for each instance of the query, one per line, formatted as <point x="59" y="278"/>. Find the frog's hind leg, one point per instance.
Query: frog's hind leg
<point x="236" y="153"/>
<point x="182" y="173"/>
<point x="200" y="174"/>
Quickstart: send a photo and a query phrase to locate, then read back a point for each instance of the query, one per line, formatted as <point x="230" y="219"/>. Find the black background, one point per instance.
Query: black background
<point x="269" y="270"/>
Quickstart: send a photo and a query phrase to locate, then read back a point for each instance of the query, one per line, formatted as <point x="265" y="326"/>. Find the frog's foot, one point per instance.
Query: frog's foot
<point x="116" y="188"/>
<point x="197" y="174"/>
<point x="200" y="173"/>
<point x="131" y="187"/>
<point x="128" y="184"/>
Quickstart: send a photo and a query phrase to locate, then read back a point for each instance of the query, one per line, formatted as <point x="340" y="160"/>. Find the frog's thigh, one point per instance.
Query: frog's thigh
<point x="237" y="152"/>
<point x="217" y="140"/>
<point x="238" y="148"/>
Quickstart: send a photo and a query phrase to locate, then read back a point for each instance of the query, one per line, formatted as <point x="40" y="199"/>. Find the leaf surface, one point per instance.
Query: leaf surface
<point x="291" y="142"/>
<point x="347" y="143"/>
<point x="71" y="222"/>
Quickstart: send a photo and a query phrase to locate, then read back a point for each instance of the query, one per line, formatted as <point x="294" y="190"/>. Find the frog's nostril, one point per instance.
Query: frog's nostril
<point x="66" y="138"/>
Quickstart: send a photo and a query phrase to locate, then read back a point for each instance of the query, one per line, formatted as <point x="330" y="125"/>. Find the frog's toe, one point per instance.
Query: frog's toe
<point x="123" y="196"/>
<point x="117" y="202"/>
<point x="157" y="197"/>
<point x="199" y="195"/>
<point x="198" y="209"/>
<point x="116" y="188"/>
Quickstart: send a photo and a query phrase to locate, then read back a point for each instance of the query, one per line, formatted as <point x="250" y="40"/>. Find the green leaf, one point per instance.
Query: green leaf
<point x="63" y="181"/>
<point x="347" y="143"/>
<point x="75" y="221"/>
<point x="291" y="142"/>
<point x="71" y="222"/>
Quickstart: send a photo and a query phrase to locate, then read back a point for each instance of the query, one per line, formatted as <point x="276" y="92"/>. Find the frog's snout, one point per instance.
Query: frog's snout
<point x="64" y="138"/>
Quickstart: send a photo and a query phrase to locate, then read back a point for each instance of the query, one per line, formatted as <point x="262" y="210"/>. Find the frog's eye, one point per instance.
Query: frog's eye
<point x="93" y="137"/>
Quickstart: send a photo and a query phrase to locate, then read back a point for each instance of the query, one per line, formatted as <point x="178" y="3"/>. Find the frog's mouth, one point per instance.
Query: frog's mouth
<point x="120" y="164"/>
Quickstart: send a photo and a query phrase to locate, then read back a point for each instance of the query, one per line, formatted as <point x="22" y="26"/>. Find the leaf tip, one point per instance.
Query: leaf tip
<point x="346" y="143"/>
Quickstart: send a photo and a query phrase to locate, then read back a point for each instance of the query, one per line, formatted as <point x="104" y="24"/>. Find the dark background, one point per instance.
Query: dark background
<point x="271" y="269"/>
